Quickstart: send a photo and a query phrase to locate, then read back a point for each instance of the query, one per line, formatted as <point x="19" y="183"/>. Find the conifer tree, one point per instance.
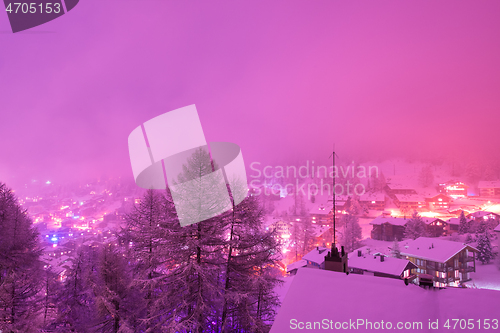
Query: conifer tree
<point x="117" y="299"/>
<point x="146" y="238"/>
<point x="464" y="224"/>
<point x="396" y="251"/>
<point x="350" y="232"/>
<point x="196" y="250"/>
<point x="415" y="227"/>
<point x="485" y="254"/>
<point x="251" y="271"/>
<point x="20" y="268"/>
<point x="77" y="303"/>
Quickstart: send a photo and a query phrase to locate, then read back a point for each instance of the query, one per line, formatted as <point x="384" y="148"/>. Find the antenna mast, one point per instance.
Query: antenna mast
<point x="334" y="244"/>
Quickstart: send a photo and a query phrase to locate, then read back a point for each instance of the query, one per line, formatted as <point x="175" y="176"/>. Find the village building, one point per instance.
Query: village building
<point x="489" y="188"/>
<point x="435" y="227"/>
<point x="375" y="201"/>
<point x="316" y="257"/>
<point x="294" y="267"/>
<point x="439" y="202"/>
<point x="449" y="263"/>
<point x="497" y="231"/>
<point x="321" y="213"/>
<point x="454" y="189"/>
<point x="399" y="188"/>
<point x="377" y="264"/>
<point x="409" y="202"/>
<point x="388" y="228"/>
<point x="453" y="225"/>
<point x="491" y="220"/>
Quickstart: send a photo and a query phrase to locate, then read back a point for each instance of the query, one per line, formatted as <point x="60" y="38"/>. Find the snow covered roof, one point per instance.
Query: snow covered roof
<point x="297" y="264"/>
<point x="410" y="198"/>
<point x="317" y="255"/>
<point x="389" y="219"/>
<point x="401" y="182"/>
<point x="378" y="196"/>
<point x="319" y="230"/>
<point x="497" y="228"/>
<point x="437" y="196"/>
<point x="456" y="220"/>
<point x="320" y="208"/>
<point x="429" y="220"/>
<point x="488" y="184"/>
<point x="433" y="249"/>
<point x="372" y="263"/>
<point x="481" y="213"/>
<point x="315" y="295"/>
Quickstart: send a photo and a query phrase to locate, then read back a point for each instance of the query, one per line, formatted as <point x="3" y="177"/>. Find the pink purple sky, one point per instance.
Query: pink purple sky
<point x="283" y="79"/>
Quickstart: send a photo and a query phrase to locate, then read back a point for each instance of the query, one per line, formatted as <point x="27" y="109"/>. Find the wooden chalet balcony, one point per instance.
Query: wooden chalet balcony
<point x="467" y="269"/>
<point x="441" y="280"/>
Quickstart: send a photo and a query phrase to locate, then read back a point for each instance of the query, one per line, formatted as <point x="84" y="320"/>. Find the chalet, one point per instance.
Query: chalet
<point x="322" y="234"/>
<point x="374" y="201"/>
<point x="435" y="227"/>
<point x="497" y="231"/>
<point x="454" y="189"/>
<point x="490" y="219"/>
<point x="409" y="201"/>
<point x="282" y="228"/>
<point x="489" y="188"/>
<point x="378" y="264"/>
<point x="453" y="224"/>
<point x="465" y="209"/>
<point x="398" y="188"/>
<point x="388" y="228"/>
<point x="321" y="213"/>
<point x="294" y="267"/>
<point x="316" y="257"/>
<point x="483" y="215"/>
<point x="450" y="263"/>
<point x="438" y="202"/>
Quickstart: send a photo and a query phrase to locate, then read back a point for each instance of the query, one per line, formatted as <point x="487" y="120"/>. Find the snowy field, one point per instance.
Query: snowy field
<point x="319" y="296"/>
<point x="485" y="277"/>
